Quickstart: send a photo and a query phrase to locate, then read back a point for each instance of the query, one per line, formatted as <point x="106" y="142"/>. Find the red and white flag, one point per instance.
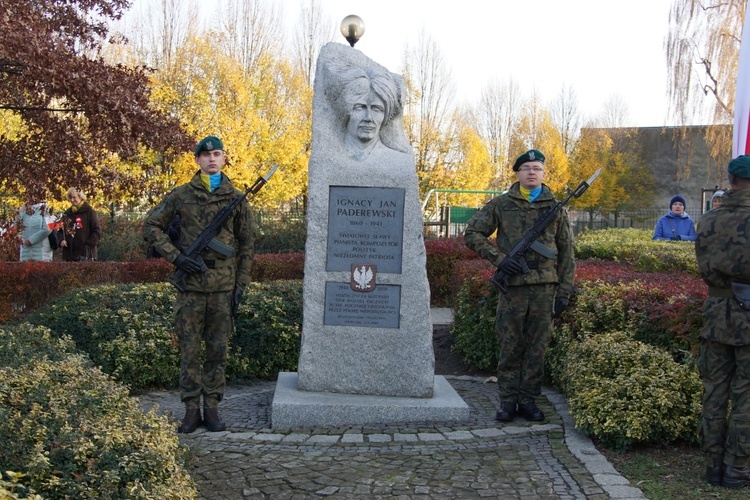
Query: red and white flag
<point x="740" y="140"/>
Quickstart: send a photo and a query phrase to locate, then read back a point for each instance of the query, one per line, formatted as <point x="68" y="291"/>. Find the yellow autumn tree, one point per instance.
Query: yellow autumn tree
<point x="259" y="113"/>
<point x="468" y="165"/>
<point x="536" y="129"/>
<point x="625" y="180"/>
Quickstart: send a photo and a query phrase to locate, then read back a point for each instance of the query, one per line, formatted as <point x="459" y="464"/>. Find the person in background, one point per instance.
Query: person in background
<point x="716" y="199"/>
<point x="676" y="225"/>
<point x="81" y="231"/>
<point x="524" y="314"/>
<point x="33" y="239"/>
<point x="722" y="250"/>
<point x="205" y="311"/>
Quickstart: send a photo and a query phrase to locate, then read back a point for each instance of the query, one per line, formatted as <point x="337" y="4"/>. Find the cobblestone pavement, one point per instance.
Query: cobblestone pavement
<point x="480" y="458"/>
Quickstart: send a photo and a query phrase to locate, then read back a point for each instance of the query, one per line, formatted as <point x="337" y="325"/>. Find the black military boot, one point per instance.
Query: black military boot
<point x="190" y="421"/>
<point x="715" y="470"/>
<point x="211" y="417"/>
<point x="530" y="412"/>
<point x="735" y="477"/>
<point x="507" y="412"/>
<point x="714" y="474"/>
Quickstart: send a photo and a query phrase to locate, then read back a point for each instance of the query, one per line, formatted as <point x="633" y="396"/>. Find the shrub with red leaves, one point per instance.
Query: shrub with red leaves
<point x="24" y="286"/>
<point x="278" y="266"/>
<point x="442" y="256"/>
<point x="478" y="270"/>
<point x="668" y="304"/>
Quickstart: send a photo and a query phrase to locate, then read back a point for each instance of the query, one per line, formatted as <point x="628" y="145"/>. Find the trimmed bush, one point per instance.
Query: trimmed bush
<point x="623" y="392"/>
<point x="473" y="327"/>
<point x="11" y="486"/>
<point x="442" y="256"/>
<point x="465" y="269"/>
<point x="660" y="309"/>
<point x="75" y="433"/>
<point x="278" y="266"/>
<point x="124" y="328"/>
<point x="25" y="286"/>
<point x="635" y="247"/>
<point x="269" y="326"/>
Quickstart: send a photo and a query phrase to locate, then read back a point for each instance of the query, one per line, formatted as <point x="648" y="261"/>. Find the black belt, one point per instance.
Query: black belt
<point x="213" y="264"/>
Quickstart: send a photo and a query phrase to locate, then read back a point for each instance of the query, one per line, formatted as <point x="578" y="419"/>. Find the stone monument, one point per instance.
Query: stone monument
<point x="366" y="353"/>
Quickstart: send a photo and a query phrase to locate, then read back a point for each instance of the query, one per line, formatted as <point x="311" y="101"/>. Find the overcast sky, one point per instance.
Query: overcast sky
<point x="599" y="48"/>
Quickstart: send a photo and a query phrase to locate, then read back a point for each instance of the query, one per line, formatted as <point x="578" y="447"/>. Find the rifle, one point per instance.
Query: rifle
<point x="529" y="241"/>
<point x="206" y="238"/>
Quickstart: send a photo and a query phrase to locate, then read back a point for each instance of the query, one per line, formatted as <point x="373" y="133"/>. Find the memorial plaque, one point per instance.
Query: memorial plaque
<point x="365" y="225"/>
<point x="379" y="308"/>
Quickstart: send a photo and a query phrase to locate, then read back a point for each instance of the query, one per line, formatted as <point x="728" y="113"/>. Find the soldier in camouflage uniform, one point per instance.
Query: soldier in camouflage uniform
<point x="524" y="314"/>
<point x="213" y="289"/>
<point x="722" y="249"/>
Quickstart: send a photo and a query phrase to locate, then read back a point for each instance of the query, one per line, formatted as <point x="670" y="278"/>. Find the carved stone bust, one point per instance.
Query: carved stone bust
<point x="366" y="109"/>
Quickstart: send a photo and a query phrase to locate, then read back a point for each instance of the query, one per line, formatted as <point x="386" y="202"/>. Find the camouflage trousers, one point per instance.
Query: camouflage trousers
<point x="523" y="326"/>
<point x="725" y="373"/>
<point x="203" y="318"/>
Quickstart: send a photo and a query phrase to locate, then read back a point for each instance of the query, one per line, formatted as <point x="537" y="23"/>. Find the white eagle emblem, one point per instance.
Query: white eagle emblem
<point x="363" y="278"/>
<point x="532" y="156"/>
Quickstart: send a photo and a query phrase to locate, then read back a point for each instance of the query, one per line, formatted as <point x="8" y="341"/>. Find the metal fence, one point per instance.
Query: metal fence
<point x="451" y="222"/>
<point x="285" y="230"/>
<point x="636" y="219"/>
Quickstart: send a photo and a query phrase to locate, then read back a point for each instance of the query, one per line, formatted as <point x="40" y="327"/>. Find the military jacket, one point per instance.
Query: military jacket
<point x="512" y="215"/>
<point x="722" y="250"/>
<point x="196" y="208"/>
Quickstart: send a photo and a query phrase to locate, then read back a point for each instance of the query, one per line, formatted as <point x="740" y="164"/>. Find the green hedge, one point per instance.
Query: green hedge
<point x="473" y="328"/>
<point x="623" y="391"/>
<point x="73" y="432"/>
<point x="635" y="247"/>
<point x="661" y="313"/>
<point x="124" y="328"/>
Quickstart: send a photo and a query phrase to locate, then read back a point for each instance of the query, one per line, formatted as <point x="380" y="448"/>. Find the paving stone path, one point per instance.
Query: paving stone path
<point x="480" y="458"/>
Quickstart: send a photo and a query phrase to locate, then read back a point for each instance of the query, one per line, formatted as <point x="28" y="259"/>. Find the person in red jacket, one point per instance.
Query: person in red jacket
<point x="81" y="231"/>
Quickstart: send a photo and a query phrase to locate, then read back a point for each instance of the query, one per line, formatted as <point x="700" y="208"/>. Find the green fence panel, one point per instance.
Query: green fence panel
<point x="461" y="215"/>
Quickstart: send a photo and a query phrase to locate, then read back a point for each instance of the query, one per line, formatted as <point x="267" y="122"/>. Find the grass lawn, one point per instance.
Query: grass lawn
<point x="669" y="472"/>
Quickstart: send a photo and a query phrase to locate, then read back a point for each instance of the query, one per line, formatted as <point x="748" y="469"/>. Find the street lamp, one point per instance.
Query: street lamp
<point x="352" y="27"/>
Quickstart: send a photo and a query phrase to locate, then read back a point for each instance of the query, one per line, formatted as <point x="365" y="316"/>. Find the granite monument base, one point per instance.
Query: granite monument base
<point x="292" y="408"/>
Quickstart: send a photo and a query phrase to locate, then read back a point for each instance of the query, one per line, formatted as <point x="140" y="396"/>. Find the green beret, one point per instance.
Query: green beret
<point x="210" y="143"/>
<point x="740" y="166"/>
<point x="530" y="155"/>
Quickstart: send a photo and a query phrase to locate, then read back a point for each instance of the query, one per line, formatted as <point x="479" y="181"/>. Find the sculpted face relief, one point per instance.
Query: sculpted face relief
<point x="366" y="117"/>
